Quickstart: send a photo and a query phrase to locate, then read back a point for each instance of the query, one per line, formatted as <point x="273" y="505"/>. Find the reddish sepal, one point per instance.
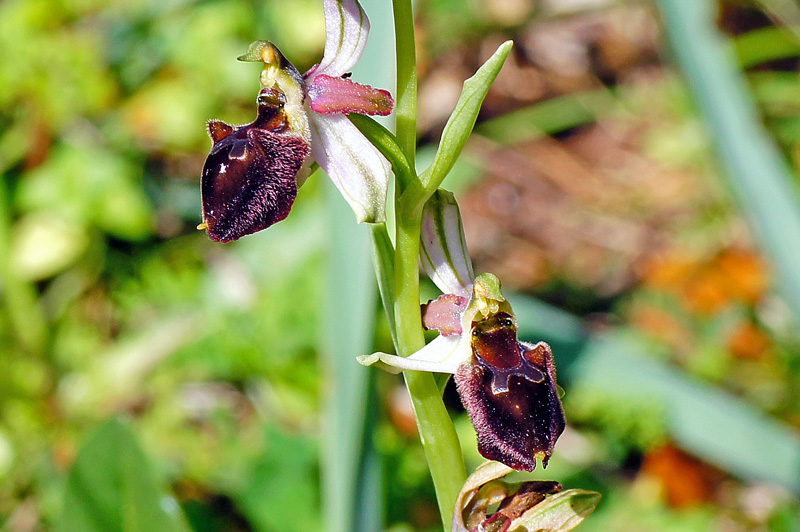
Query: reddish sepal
<point x="444" y="314"/>
<point x="336" y="95"/>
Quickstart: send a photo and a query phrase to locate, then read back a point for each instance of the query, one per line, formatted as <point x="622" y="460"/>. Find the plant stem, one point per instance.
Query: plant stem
<point x="437" y="433"/>
<point x="439" y="439"/>
<point x="406" y="276"/>
<point x="406" y="105"/>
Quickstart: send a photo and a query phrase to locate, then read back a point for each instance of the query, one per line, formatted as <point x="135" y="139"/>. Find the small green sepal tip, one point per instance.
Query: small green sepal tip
<point x="487" y="285"/>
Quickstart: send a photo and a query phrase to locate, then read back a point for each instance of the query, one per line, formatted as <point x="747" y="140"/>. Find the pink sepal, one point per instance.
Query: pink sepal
<point x="334" y="95"/>
<point x="444" y="314"/>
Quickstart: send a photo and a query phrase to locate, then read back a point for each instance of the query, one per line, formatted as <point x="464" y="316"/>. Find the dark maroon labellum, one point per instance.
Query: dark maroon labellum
<point x="510" y="394"/>
<point x="249" y="179"/>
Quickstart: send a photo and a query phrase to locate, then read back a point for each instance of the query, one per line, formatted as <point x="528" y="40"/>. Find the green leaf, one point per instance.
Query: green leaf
<point x="707" y="421"/>
<point x="558" y="513"/>
<point x="548" y="117"/>
<point x="766" y="44"/>
<point x="387" y="144"/>
<point x="460" y="124"/>
<point x="280" y="490"/>
<point x="112" y="488"/>
<point x="349" y="317"/>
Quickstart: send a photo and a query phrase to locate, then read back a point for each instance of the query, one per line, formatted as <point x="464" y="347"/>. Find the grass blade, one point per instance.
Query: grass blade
<point x="759" y="177"/>
<point x="766" y="44"/>
<point x="548" y="117"/>
<point x="348" y="332"/>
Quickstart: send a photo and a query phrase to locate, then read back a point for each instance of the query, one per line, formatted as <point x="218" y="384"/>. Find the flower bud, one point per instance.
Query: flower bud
<point x="530" y="506"/>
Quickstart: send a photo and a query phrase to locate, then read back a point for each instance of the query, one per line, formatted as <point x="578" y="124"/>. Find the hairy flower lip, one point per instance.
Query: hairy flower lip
<point x="508" y="387"/>
<point x="248" y="180"/>
<point x="520" y="422"/>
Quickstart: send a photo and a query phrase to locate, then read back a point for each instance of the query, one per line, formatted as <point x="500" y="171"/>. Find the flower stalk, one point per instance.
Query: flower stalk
<point x="437" y="432"/>
<point x="406" y="58"/>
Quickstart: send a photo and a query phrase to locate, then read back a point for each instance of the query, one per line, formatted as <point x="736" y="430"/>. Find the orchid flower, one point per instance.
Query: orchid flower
<point x="251" y="175"/>
<point x="508" y="387"/>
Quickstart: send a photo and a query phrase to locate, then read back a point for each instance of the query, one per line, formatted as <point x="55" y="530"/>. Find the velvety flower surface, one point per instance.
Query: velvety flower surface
<point x="508" y="387"/>
<point x="250" y="178"/>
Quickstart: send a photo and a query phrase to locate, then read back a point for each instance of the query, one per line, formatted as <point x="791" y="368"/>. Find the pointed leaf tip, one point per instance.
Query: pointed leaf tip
<point x="462" y="120"/>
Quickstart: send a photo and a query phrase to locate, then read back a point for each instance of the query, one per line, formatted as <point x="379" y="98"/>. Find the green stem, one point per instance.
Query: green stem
<point x="405" y="109"/>
<point x="406" y="282"/>
<point x="398" y="279"/>
<point x="438" y="435"/>
<point x="383" y="259"/>
<point x="439" y="439"/>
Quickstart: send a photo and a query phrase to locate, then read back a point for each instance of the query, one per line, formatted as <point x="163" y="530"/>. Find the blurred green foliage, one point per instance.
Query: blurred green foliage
<point x="102" y="109"/>
<point x="112" y="303"/>
<point x="110" y="487"/>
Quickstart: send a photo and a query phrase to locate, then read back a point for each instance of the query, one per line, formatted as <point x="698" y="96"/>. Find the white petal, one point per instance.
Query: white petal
<point x="346" y="31"/>
<point x="444" y="252"/>
<point x="442" y="355"/>
<point x="356" y="167"/>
